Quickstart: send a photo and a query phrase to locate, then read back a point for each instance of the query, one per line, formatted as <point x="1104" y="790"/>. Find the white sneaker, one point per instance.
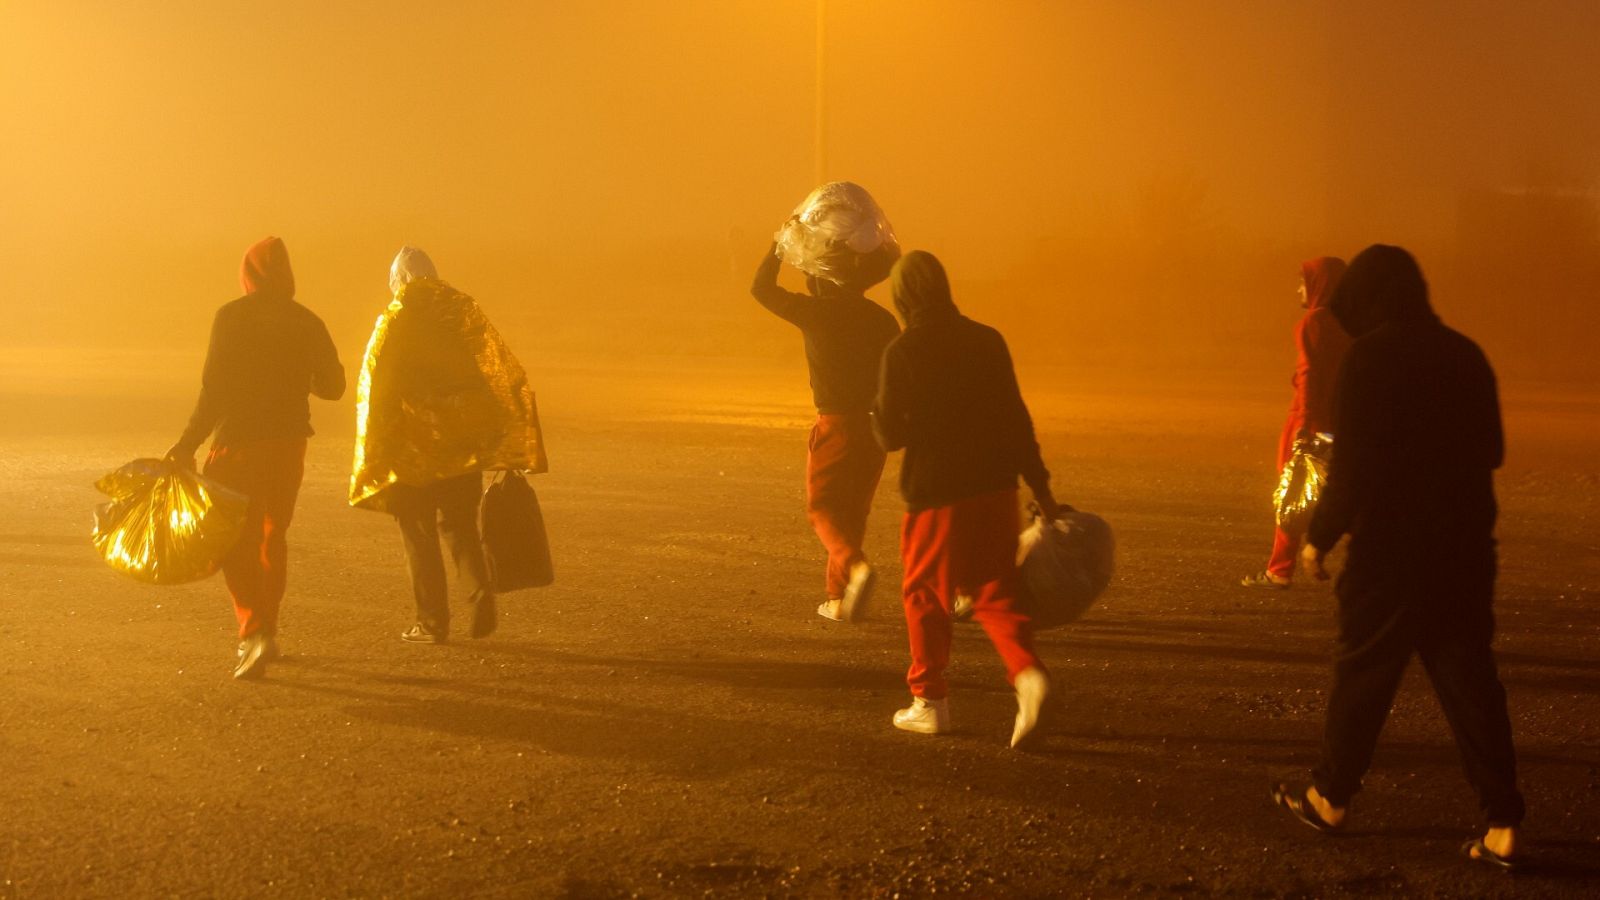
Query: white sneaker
<point x="924" y="716"/>
<point x="1033" y="686"/>
<point x="853" y="605"/>
<point x="829" y="609"/>
<point x="252" y="657"/>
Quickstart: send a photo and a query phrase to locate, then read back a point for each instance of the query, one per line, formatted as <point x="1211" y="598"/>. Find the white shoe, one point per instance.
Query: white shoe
<point x="1033" y="686"/>
<point x="924" y="716"/>
<point x="853" y="605"/>
<point x="829" y="609"/>
<point x="252" y="657"/>
<point x="269" y="653"/>
<point x="961" y="610"/>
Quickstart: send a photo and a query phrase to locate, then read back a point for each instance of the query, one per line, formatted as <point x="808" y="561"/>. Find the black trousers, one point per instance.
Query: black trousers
<point x="1386" y="614"/>
<point x="447" y="508"/>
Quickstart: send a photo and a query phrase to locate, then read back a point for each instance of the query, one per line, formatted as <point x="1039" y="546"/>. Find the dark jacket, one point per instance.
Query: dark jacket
<point x="948" y="394"/>
<point x="844" y="332"/>
<point x="267" y="353"/>
<point x="1417" y="425"/>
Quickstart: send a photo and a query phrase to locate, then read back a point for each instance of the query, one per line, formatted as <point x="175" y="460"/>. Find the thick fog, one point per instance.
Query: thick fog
<point x="1121" y="187"/>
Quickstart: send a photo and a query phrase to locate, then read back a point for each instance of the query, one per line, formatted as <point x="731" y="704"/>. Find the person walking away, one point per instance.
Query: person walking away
<point x="1412" y="483"/>
<point x="440" y="400"/>
<point x="845" y="335"/>
<point x="948" y="396"/>
<point x="1320" y="343"/>
<point x="267" y="354"/>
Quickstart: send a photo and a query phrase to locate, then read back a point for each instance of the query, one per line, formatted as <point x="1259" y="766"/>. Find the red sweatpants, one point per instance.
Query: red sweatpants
<point x="1286" y="544"/>
<point x="269" y="473"/>
<point x="968" y="547"/>
<point x="843" y="466"/>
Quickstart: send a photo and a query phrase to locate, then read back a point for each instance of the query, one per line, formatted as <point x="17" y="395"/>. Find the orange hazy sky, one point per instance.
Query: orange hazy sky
<point x="590" y="168"/>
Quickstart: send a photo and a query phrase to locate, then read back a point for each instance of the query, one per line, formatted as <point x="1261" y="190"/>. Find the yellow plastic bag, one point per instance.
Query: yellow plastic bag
<point x="166" y="524"/>
<point x="1300" y="484"/>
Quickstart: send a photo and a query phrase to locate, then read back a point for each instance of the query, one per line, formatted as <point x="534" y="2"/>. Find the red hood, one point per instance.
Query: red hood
<point x="266" y="271"/>
<point x="1322" y="276"/>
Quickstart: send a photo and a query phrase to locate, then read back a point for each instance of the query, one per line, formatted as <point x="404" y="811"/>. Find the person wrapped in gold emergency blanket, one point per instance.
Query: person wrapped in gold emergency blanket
<point x="439" y="401"/>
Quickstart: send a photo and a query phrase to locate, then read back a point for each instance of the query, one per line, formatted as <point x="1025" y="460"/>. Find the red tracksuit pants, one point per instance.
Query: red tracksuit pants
<point x="1286" y="544"/>
<point x="843" y="466"/>
<point x="968" y="547"/>
<point x="269" y="473"/>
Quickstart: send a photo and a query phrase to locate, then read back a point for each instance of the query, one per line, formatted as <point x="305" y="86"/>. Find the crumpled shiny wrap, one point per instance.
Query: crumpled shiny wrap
<point x="166" y="524"/>
<point x="1300" y="483"/>
<point x="839" y="232"/>
<point x="439" y="395"/>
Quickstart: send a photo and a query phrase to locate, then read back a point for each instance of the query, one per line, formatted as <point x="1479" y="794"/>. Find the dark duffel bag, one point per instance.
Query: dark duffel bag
<point x="514" y="539"/>
<point x="1065" y="565"/>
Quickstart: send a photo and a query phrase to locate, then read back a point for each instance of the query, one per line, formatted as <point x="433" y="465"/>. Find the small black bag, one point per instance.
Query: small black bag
<point x="514" y="540"/>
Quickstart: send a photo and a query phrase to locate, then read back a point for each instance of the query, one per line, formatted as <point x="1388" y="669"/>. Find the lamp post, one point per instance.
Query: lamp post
<point x="819" y="148"/>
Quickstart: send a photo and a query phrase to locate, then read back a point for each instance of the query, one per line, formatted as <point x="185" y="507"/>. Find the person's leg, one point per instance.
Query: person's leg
<point x="984" y="562"/>
<point x="1285" y="543"/>
<point x="926" y="595"/>
<point x="458" y="524"/>
<point x="414" y="511"/>
<point x="829" y="499"/>
<point x="1377" y="634"/>
<point x="1456" y="651"/>
<point x="231" y="467"/>
<point x="282" y="467"/>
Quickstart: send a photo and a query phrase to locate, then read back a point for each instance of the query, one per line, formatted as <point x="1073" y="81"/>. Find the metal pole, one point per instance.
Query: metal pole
<point x="820" y="148"/>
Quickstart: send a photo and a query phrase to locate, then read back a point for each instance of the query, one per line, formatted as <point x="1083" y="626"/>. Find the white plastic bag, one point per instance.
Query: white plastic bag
<point x="839" y="233"/>
<point x="1066" y="564"/>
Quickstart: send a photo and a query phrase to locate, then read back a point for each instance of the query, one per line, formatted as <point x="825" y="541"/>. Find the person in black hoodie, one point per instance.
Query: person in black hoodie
<point x="1418" y="418"/>
<point x="267" y="355"/>
<point x="845" y="334"/>
<point x="948" y="395"/>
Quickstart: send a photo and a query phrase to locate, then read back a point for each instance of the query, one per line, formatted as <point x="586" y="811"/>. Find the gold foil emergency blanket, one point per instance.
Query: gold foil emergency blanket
<point x="1300" y="484"/>
<point x="439" y="395"/>
<point x="165" y="524"/>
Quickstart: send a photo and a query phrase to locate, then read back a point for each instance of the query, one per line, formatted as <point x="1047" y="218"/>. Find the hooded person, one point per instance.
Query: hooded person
<point x="948" y="396"/>
<point x="1320" y="345"/>
<point x="440" y="400"/>
<point x="844" y="334"/>
<point x="267" y="354"/>
<point x="1419" y="436"/>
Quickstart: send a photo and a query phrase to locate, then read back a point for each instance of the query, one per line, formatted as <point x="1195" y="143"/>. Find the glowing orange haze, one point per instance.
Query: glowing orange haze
<point x="1130" y="185"/>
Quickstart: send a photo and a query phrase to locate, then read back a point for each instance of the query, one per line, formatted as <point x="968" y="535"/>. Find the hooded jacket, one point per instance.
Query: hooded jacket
<point x="440" y="394"/>
<point x="1417" y="419"/>
<point x="844" y="333"/>
<point x="948" y="395"/>
<point x="1321" y="343"/>
<point x="266" y="355"/>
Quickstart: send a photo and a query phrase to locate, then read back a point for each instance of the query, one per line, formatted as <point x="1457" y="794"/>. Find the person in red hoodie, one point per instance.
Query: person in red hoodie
<point x="267" y="354"/>
<point x="1321" y="343"/>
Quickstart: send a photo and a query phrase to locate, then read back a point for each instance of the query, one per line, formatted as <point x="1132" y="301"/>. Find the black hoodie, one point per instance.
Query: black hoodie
<point x="948" y="394"/>
<point x="1417" y="416"/>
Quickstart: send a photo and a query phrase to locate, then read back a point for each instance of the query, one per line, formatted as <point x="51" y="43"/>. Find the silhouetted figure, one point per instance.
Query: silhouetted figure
<point x="845" y="334"/>
<point x="948" y="395"/>
<point x="1320" y="344"/>
<point x="267" y="354"/>
<point x="440" y="401"/>
<point x="1418" y="423"/>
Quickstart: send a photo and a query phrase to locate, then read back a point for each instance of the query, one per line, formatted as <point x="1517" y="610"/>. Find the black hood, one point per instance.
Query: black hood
<point x="921" y="290"/>
<point x="1383" y="285"/>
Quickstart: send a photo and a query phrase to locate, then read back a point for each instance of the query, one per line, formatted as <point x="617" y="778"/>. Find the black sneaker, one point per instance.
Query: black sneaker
<point x="418" y="634"/>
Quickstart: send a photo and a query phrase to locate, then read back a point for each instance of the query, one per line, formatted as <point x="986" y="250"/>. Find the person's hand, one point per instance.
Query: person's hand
<point x="1048" y="507"/>
<point x="1312" y="559"/>
<point x="183" y="456"/>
